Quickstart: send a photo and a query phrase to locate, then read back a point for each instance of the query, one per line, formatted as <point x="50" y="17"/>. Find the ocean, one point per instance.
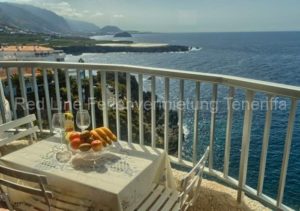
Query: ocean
<point x="269" y="56"/>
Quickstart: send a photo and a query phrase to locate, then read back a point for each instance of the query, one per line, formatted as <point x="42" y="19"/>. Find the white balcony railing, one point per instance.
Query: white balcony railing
<point x="249" y="86"/>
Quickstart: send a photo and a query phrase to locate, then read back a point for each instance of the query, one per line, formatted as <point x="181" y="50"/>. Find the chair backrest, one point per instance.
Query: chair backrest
<point x="9" y="126"/>
<point x="39" y="180"/>
<point x="190" y="184"/>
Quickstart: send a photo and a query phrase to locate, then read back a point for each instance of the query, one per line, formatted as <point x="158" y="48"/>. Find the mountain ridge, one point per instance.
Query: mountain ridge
<point x="30" y="18"/>
<point x="83" y="26"/>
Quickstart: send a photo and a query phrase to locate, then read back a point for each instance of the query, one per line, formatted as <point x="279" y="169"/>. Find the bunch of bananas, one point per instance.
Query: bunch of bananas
<point x="104" y="134"/>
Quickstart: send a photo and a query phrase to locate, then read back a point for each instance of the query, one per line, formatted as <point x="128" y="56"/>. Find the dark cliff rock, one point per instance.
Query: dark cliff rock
<point x="173" y="120"/>
<point x="77" y="50"/>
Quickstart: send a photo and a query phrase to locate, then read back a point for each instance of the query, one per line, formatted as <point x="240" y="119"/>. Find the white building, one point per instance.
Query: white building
<point x="30" y="53"/>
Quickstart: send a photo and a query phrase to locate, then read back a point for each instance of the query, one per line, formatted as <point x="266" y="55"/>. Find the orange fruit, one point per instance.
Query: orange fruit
<point x="74" y="135"/>
<point x="75" y="143"/>
<point x="96" y="145"/>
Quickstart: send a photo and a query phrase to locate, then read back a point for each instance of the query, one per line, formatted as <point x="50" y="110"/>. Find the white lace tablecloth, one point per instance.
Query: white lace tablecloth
<point x="118" y="180"/>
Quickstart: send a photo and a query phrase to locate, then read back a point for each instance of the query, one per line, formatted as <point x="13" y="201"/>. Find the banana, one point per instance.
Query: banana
<point x="101" y="133"/>
<point x="109" y="141"/>
<point x="103" y="143"/>
<point x="108" y="132"/>
<point x="95" y="135"/>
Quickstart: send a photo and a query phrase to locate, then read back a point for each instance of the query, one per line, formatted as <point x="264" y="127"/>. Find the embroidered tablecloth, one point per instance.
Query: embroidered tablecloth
<point x="117" y="179"/>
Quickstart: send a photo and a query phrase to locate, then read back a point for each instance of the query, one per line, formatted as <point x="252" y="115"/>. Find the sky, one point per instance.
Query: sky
<point x="181" y="15"/>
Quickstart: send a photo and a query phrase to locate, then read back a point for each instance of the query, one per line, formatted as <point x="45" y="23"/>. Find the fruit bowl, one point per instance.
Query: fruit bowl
<point x="90" y="143"/>
<point x="90" y="155"/>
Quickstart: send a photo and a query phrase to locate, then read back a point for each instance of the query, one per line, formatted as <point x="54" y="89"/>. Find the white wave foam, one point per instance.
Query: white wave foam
<point x="186" y="131"/>
<point x="195" y="49"/>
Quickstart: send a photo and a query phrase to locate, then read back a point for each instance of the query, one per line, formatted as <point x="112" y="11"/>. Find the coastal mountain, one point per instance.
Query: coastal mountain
<point x="110" y="30"/>
<point x="27" y="18"/>
<point x="33" y="19"/>
<point x="83" y="27"/>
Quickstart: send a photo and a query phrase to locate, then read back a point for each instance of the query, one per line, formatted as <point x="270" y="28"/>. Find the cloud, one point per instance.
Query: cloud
<point x="118" y="16"/>
<point x="98" y="14"/>
<point x="18" y="1"/>
<point x="61" y="8"/>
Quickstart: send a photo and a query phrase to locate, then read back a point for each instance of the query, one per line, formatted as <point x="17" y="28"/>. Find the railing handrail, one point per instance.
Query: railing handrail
<point x="240" y="82"/>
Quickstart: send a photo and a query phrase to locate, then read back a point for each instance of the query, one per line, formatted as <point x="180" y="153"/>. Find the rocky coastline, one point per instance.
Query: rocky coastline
<point x="160" y="112"/>
<point x="77" y="50"/>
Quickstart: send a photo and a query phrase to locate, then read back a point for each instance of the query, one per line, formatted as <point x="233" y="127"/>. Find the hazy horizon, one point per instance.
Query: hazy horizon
<point x="181" y="16"/>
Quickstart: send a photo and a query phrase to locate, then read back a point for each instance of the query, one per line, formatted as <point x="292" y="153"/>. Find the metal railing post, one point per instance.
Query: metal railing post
<point x="57" y="90"/>
<point x="23" y="91"/>
<point x="68" y="87"/>
<point x="118" y="126"/>
<point x="104" y="99"/>
<point x="153" y="111"/>
<point x="37" y="99"/>
<point x="141" y="109"/>
<point x="92" y="100"/>
<point x="180" y="119"/>
<point x="79" y="86"/>
<point x="196" y="122"/>
<point x="46" y="89"/>
<point x="167" y="116"/>
<point x="245" y="145"/>
<point x="11" y="94"/>
<point x="129" y="112"/>
<point x="212" y="125"/>
<point x="228" y="131"/>
<point x="286" y="154"/>
<point x="2" y="102"/>
<point x="264" y="151"/>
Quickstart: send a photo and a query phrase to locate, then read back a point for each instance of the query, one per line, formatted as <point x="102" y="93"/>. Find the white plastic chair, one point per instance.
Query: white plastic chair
<point x="165" y="199"/>
<point x="38" y="196"/>
<point x="37" y="190"/>
<point x="13" y="126"/>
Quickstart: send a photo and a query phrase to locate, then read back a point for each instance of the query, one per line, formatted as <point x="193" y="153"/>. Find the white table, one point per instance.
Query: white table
<point x="118" y="181"/>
